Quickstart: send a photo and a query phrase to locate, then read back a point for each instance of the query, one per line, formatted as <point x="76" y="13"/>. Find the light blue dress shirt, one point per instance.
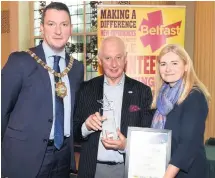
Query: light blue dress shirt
<point x="114" y="94"/>
<point x="49" y="53"/>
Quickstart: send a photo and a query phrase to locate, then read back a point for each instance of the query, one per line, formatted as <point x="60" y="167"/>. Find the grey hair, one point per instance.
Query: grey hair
<point x="112" y="38"/>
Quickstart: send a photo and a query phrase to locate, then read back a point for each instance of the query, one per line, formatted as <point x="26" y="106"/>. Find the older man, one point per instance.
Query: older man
<point x="103" y="157"/>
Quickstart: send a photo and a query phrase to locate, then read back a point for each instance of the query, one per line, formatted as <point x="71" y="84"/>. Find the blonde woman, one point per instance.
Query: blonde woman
<point x="181" y="103"/>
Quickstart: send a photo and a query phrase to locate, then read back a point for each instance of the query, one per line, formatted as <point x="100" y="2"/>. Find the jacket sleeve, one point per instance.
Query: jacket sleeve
<point x="78" y="115"/>
<point x="195" y="110"/>
<point x="11" y="83"/>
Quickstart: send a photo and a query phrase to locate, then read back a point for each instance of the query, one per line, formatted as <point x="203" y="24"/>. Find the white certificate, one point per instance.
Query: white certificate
<point x="148" y="152"/>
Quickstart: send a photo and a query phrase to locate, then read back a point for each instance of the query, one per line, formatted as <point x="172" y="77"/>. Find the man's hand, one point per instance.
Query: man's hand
<point x="94" y="122"/>
<point x="119" y="144"/>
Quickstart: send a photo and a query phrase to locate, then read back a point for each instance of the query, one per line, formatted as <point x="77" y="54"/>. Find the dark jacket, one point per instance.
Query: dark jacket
<point x="87" y="104"/>
<point x="27" y="112"/>
<point x="187" y="122"/>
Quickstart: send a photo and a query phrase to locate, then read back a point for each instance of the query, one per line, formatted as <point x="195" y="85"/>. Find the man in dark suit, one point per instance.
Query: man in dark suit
<point x="38" y="94"/>
<point x="101" y="155"/>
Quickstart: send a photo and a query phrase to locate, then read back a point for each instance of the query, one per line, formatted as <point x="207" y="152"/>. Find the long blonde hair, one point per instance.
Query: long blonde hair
<point x="190" y="79"/>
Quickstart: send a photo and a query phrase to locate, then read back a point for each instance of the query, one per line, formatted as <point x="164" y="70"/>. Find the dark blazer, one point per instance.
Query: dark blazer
<point x="187" y="122"/>
<point x="87" y="104"/>
<point x="27" y="112"/>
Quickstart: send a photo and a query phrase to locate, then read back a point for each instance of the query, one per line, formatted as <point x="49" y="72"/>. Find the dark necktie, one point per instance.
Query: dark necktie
<point x="59" y="111"/>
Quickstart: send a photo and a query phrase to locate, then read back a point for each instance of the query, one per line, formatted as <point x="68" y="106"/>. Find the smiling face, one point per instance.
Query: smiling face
<point x="56" y="29"/>
<point x="171" y="68"/>
<point x="112" y="58"/>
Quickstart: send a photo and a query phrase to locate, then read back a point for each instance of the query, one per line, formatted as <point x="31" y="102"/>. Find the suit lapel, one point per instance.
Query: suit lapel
<point x="44" y="73"/>
<point x="98" y="90"/>
<point x="67" y="59"/>
<point x="101" y="87"/>
<point x="72" y="82"/>
<point x="125" y="104"/>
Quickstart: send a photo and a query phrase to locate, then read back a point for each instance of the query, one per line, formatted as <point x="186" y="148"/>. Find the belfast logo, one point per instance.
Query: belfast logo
<point x="155" y="32"/>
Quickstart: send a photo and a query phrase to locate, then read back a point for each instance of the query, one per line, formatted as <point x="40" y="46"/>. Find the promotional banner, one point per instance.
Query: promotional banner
<point x="145" y="30"/>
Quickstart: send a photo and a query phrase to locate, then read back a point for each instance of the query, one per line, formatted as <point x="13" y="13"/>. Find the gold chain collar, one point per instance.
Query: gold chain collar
<point x="45" y="66"/>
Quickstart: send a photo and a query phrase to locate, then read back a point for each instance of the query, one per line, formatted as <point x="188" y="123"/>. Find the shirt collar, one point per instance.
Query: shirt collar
<point x="120" y="82"/>
<point x="49" y="52"/>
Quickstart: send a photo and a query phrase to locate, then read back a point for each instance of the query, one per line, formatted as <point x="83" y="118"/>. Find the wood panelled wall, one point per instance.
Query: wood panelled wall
<point x="5" y="32"/>
<point x="9" y="29"/>
<point x="204" y="55"/>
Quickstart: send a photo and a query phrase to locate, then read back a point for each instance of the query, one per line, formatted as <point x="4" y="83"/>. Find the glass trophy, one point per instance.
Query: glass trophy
<point x="108" y="125"/>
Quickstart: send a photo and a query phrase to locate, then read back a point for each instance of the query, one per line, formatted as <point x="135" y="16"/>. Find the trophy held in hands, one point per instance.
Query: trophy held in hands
<point x="109" y="124"/>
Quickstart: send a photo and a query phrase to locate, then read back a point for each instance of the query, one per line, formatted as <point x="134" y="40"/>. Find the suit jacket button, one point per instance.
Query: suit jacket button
<point x="50" y="120"/>
<point x="45" y="140"/>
